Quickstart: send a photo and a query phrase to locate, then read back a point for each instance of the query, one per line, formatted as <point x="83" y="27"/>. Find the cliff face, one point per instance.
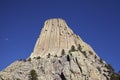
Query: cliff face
<point x="55" y="36"/>
<point x="59" y="54"/>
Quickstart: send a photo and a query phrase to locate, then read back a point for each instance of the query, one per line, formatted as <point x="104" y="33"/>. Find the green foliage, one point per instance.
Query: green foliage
<point x="63" y="52"/>
<point x="29" y="59"/>
<point x="84" y="53"/>
<point x="95" y="57"/>
<point x="33" y="75"/>
<point x="108" y="66"/>
<point x="48" y="56"/>
<point x="34" y="58"/>
<point x="73" y="48"/>
<point x="17" y="79"/>
<point x="115" y="76"/>
<point x="99" y="69"/>
<point x="101" y="61"/>
<point x="79" y="47"/>
<point x="38" y="57"/>
<point x="55" y="56"/>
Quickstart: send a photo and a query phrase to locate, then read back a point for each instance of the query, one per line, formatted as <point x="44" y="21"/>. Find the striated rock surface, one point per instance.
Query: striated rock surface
<point x="55" y="36"/>
<point x="59" y="54"/>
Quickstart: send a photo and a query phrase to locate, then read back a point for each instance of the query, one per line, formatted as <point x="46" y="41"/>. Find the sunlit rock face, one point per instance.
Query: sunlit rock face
<point x="55" y="36"/>
<point x="59" y="54"/>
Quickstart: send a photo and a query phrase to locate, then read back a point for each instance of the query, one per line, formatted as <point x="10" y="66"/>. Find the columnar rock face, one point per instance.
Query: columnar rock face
<point x="55" y="36"/>
<point x="59" y="54"/>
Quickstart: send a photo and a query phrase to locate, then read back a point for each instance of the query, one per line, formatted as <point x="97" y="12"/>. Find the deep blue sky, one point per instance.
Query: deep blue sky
<point x="96" y="21"/>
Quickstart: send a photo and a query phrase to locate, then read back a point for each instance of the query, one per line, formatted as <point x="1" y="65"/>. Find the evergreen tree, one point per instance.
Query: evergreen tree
<point x="115" y="76"/>
<point x="33" y="75"/>
<point x="73" y="48"/>
<point x="79" y="47"/>
<point x="63" y="52"/>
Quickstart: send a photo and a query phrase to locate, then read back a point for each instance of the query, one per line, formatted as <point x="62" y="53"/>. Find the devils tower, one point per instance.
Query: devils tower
<point x="55" y="36"/>
<point x="59" y="54"/>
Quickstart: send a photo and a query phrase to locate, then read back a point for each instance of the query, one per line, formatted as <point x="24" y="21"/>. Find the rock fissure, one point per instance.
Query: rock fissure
<point x="78" y="65"/>
<point x="62" y="76"/>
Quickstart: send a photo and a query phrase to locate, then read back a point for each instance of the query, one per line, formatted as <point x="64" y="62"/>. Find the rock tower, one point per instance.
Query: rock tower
<point x="55" y="36"/>
<point x="59" y="54"/>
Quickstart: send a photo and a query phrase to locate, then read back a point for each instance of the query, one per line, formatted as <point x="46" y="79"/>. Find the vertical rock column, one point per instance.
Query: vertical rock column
<point x="55" y="36"/>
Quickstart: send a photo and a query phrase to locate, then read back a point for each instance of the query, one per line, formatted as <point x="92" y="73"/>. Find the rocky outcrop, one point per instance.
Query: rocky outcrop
<point x="69" y="66"/>
<point x="59" y="54"/>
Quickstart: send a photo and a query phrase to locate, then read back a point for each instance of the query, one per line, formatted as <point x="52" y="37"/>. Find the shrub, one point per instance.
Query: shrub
<point x="79" y="47"/>
<point x="99" y="69"/>
<point x="17" y="79"/>
<point x="95" y="57"/>
<point x="108" y="66"/>
<point x="84" y="53"/>
<point x="34" y="57"/>
<point x="38" y="57"/>
<point x="101" y="61"/>
<point x="73" y="48"/>
<point x="29" y="59"/>
<point x="33" y="75"/>
<point x="55" y="56"/>
<point x="48" y="56"/>
<point x="115" y="76"/>
<point x="63" y="52"/>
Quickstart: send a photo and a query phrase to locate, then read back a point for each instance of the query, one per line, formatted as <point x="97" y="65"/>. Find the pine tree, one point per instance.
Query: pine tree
<point x="79" y="47"/>
<point x="33" y="75"/>
<point x="73" y="48"/>
<point x="63" y="52"/>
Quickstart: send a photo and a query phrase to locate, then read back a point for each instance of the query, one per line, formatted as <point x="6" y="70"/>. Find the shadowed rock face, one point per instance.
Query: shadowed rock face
<point x="55" y="36"/>
<point x="55" y="58"/>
